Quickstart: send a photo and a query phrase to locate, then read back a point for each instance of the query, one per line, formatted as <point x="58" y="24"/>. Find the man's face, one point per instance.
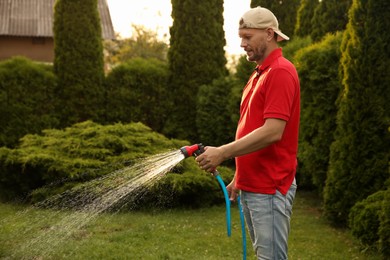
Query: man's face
<point x="254" y="43"/>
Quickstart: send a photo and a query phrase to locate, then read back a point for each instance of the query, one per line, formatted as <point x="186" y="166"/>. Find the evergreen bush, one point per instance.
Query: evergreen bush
<point x="329" y="16"/>
<point x="187" y="187"/>
<point x="78" y="61"/>
<point x="214" y="123"/>
<point x="244" y="70"/>
<point x="317" y="67"/>
<point x="196" y="57"/>
<point x="27" y="99"/>
<point x="364" y="219"/>
<point x="359" y="157"/>
<point x="294" y="46"/>
<point x="384" y="228"/>
<point x="304" y="26"/>
<point x="59" y="160"/>
<point x="84" y="151"/>
<point x="137" y="92"/>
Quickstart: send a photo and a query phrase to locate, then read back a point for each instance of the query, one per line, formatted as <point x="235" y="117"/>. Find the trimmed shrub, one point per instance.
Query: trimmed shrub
<point x="26" y="99"/>
<point x="187" y="187"/>
<point x="317" y="66"/>
<point x="364" y="219"/>
<point x="196" y="57"/>
<point x="214" y="123"/>
<point x="294" y="46"/>
<point x="78" y="61"/>
<point x="137" y="92"/>
<point x="330" y="16"/>
<point x="384" y="228"/>
<point x="60" y="160"/>
<point x="359" y="157"/>
<point x="78" y="153"/>
<point x="305" y="12"/>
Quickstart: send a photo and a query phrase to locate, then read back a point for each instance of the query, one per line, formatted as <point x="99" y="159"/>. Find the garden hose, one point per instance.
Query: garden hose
<point x="242" y="220"/>
<point x="198" y="149"/>
<point x="228" y="218"/>
<point x="227" y="202"/>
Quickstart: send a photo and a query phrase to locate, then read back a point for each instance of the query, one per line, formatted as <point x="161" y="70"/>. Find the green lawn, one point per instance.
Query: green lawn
<point x="176" y="234"/>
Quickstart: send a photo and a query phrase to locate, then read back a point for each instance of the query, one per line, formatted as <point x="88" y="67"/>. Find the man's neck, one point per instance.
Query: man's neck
<point x="271" y="48"/>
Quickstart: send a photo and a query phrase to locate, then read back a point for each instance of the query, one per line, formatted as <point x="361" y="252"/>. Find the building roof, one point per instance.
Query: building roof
<point x="35" y="18"/>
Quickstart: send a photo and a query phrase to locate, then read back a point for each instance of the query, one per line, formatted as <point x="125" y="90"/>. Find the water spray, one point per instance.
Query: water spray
<point x="198" y="149"/>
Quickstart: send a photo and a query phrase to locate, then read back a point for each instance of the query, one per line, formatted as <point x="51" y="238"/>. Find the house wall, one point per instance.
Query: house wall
<point x="35" y="48"/>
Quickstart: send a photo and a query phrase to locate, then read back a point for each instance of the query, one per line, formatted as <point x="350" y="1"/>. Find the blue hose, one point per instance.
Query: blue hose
<point x="228" y="219"/>
<point x="227" y="202"/>
<point x="242" y="228"/>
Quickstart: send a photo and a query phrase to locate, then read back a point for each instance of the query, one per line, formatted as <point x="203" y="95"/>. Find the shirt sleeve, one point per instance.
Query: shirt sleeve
<point x="279" y="95"/>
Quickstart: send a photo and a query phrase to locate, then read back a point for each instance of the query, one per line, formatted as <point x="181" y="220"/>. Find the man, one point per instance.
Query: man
<point x="266" y="142"/>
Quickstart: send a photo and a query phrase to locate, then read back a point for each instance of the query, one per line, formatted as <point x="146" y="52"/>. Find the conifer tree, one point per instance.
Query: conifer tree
<point x="329" y="16"/>
<point x="196" y="57"/>
<point x="359" y="158"/>
<point x="78" y="61"/>
<point x="284" y="10"/>
<point x="320" y="86"/>
<point x="304" y="26"/>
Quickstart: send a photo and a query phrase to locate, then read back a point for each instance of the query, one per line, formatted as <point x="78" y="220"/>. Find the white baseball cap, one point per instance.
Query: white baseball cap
<point x="261" y="18"/>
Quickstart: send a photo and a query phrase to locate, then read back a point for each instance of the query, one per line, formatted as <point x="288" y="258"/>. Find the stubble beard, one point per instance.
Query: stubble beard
<point x="258" y="53"/>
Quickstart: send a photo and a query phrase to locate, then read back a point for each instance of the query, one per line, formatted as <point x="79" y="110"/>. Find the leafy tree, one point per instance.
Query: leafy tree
<point x="143" y="43"/>
<point x="304" y="26"/>
<point x="26" y="99"/>
<point x="285" y="11"/>
<point x="78" y="61"/>
<point x="317" y="67"/>
<point x="329" y="16"/>
<point x="196" y="57"/>
<point x="360" y="153"/>
<point x="137" y="92"/>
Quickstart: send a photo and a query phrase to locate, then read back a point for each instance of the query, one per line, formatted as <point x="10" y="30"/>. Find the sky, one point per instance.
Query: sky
<point x="156" y="16"/>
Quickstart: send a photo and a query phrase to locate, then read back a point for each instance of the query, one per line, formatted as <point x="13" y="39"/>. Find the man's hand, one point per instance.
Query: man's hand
<point x="210" y="159"/>
<point x="232" y="191"/>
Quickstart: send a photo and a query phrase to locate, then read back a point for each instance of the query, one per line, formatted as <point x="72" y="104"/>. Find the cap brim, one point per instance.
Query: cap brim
<point x="281" y="36"/>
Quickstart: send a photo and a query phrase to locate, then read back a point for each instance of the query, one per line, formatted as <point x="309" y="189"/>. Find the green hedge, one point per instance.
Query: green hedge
<point x="137" y="92"/>
<point x="26" y="99"/>
<point x="214" y="116"/>
<point x="360" y="153"/>
<point x="317" y="66"/>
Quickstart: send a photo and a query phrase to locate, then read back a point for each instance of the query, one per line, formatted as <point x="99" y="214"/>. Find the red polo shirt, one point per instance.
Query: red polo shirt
<point x="271" y="92"/>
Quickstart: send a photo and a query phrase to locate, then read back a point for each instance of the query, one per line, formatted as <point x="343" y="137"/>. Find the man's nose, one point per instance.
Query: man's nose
<point x="243" y="43"/>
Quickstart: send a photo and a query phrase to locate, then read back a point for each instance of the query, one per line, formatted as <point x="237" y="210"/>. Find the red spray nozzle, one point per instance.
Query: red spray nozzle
<point x="195" y="149"/>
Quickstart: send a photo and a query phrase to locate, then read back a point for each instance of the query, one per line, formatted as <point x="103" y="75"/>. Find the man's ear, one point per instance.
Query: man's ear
<point x="271" y="34"/>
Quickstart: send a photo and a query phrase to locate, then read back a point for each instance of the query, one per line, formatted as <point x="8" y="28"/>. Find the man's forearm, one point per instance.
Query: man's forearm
<point x="269" y="133"/>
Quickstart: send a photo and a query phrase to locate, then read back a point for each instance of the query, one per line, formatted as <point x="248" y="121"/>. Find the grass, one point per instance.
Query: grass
<point x="174" y="234"/>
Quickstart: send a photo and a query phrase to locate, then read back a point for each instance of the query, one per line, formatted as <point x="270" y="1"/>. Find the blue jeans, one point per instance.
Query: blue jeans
<point x="268" y="221"/>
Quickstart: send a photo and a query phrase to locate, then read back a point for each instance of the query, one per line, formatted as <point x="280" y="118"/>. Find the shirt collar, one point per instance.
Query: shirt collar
<point x="269" y="60"/>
